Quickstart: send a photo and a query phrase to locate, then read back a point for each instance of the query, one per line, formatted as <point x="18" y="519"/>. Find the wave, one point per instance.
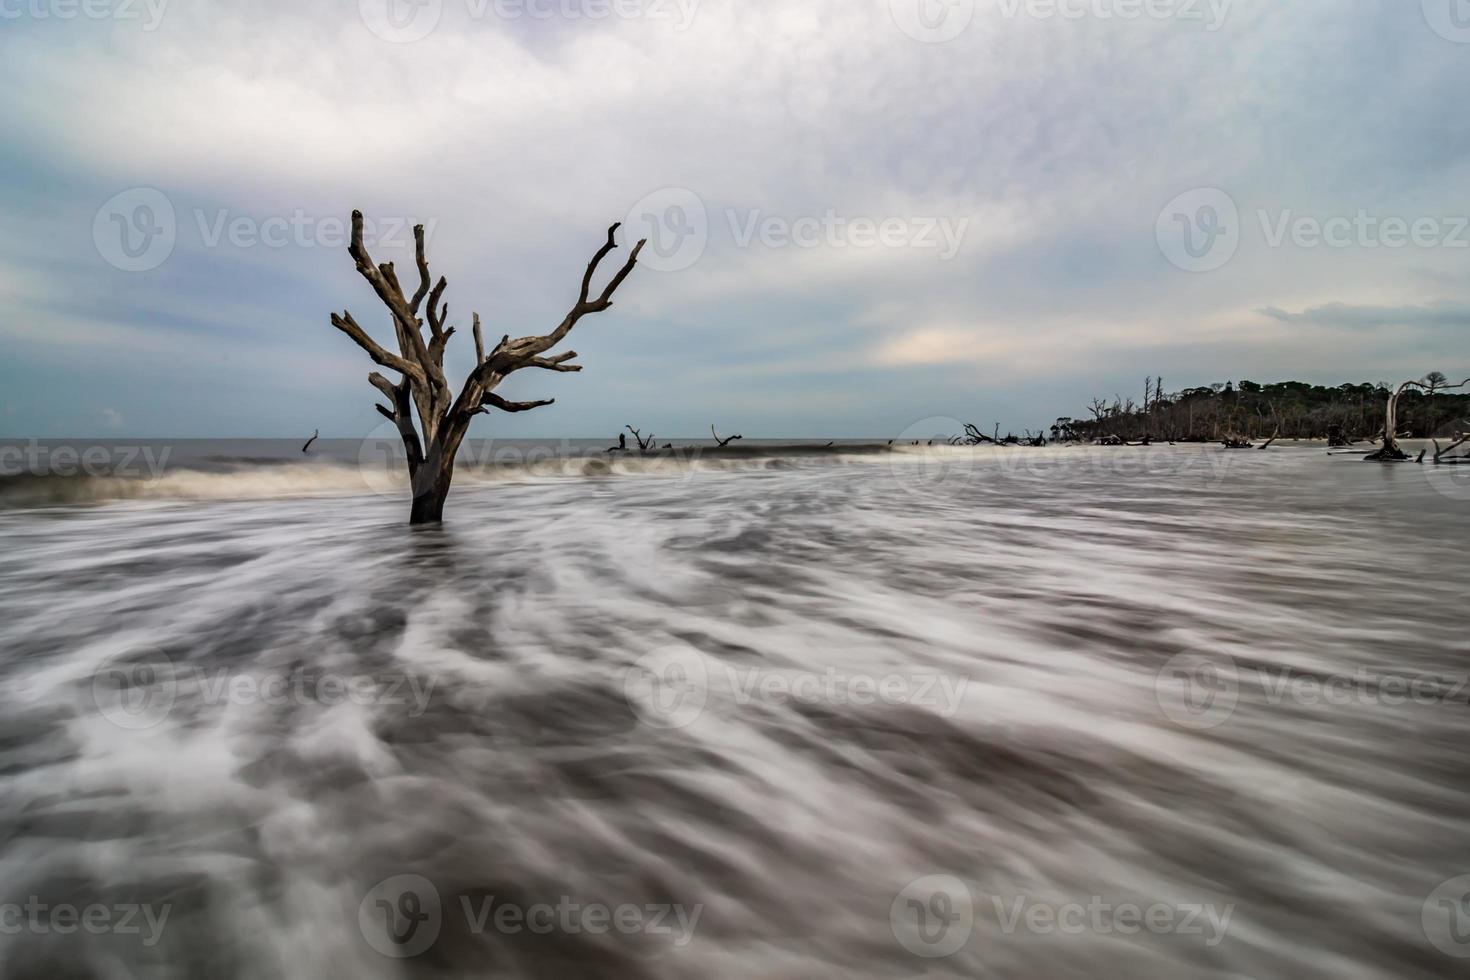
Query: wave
<point x="245" y="477"/>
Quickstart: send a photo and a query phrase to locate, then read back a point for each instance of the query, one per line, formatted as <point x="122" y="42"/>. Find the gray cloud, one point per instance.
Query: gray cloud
<point x="520" y="139"/>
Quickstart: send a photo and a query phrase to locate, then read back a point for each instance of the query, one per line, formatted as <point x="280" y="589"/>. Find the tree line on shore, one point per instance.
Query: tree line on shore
<point x="1248" y="410"/>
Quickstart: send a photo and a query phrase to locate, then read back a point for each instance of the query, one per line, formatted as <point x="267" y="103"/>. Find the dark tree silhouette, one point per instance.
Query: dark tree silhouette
<point x="722" y="442"/>
<point x="443" y="418"/>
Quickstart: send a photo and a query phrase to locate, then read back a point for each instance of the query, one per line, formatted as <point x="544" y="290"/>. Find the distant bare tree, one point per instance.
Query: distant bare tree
<point x="1390" y="452"/>
<point x="443" y="418"/>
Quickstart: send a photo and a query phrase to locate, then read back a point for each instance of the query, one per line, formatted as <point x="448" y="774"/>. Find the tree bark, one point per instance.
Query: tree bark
<point x="432" y="441"/>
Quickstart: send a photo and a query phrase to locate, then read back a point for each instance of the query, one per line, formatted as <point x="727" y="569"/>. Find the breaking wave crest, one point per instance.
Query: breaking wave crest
<point x="238" y="477"/>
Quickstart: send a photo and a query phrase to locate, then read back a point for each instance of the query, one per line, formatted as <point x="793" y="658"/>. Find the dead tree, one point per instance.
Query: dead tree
<point x="1460" y="439"/>
<point x="722" y="442"/>
<point x="974" y="437"/>
<point x="1390" y="451"/>
<point x="644" y="445"/>
<point x="1274" y="435"/>
<point x="432" y="440"/>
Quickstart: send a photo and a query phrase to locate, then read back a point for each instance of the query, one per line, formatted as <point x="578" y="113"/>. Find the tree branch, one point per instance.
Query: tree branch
<point x="510" y="354"/>
<point x="423" y="264"/>
<point x="385" y="283"/>
<point x="380" y="355"/>
<point x="492" y="399"/>
<point x="557" y="363"/>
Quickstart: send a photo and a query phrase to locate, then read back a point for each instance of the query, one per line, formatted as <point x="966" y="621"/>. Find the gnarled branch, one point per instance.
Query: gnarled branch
<point x="722" y="442"/>
<point x="443" y="423"/>
<point x="495" y="401"/>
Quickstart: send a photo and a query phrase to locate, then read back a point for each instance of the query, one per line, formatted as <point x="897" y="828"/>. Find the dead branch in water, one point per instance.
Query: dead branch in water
<point x="722" y="442"/>
<point x="644" y="445"/>
<point x="1461" y="439"/>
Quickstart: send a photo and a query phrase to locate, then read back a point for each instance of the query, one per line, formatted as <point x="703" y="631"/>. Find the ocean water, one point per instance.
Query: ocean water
<point x="848" y="711"/>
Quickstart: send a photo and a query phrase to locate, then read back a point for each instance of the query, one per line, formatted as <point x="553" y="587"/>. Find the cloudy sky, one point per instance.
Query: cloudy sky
<point x="862" y="213"/>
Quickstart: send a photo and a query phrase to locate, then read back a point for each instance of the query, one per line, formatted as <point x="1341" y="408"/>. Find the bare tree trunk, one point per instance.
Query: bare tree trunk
<point x="1390" y="451"/>
<point x="443" y="420"/>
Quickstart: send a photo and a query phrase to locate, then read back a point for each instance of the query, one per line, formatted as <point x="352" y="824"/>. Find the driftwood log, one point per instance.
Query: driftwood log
<point x="431" y="419"/>
<point x="1461" y="438"/>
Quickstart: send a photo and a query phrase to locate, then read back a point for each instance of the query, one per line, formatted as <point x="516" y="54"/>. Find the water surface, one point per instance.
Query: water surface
<point x="818" y="714"/>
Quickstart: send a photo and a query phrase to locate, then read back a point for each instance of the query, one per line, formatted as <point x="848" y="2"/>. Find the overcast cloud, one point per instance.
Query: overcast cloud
<point x="866" y="212"/>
